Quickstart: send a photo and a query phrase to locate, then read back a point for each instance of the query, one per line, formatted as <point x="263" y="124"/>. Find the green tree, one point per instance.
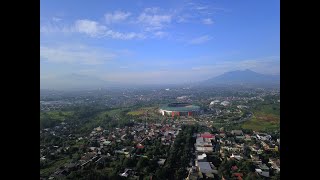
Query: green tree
<point x="142" y="163"/>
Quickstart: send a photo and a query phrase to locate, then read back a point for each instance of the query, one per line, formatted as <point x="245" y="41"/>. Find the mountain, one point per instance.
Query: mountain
<point x="239" y="77"/>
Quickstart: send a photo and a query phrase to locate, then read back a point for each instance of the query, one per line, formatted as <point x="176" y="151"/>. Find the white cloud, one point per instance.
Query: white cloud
<point x="153" y="21"/>
<point x="207" y="21"/>
<point x="91" y="28"/>
<point x="55" y="28"/>
<point x="75" y="54"/>
<point x="201" y="7"/>
<point x="200" y="40"/>
<point x="56" y="19"/>
<point x="123" y="36"/>
<point x="117" y="16"/>
<point x="160" y="34"/>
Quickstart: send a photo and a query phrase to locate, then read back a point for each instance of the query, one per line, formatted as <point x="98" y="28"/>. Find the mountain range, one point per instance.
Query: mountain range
<point x="247" y="76"/>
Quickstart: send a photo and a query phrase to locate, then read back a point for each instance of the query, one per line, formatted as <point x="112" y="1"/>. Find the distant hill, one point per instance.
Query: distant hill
<point x="246" y="77"/>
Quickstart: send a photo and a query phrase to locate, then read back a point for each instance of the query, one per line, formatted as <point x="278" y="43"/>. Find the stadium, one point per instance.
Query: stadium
<point x="179" y="109"/>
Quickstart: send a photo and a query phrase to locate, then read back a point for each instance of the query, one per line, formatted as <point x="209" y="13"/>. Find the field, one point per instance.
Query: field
<point x="262" y="123"/>
<point x="138" y="112"/>
<point x="54" y="166"/>
<point x="266" y="117"/>
<point x="112" y="112"/>
<point x="56" y="115"/>
<point x="141" y="111"/>
<point x="49" y="119"/>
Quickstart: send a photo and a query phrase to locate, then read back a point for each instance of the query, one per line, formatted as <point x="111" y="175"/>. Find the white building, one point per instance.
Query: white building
<point x="263" y="170"/>
<point x="214" y="102"/>
<point x="225" y="103"/>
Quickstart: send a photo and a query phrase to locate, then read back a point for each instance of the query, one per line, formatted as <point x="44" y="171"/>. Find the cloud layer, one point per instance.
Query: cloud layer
<point x="150" y="22"/>
<point x="75" y="54"/>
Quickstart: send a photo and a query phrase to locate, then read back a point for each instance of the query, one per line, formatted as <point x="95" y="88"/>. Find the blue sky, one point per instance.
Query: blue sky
<point x="149" y="41"/>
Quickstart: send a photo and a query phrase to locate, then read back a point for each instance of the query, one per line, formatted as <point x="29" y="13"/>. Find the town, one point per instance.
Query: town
<point x="220" y="141"/>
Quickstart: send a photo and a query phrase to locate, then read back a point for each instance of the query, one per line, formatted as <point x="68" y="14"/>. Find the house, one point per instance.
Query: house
<point x="140" y="146"/>
<point x="106" y="143"/>
<point x="263" y="136"/>
<point x="275" y="164"/>
<point x="247" y="137"/>
<point x="254" y="157"/>
<point x="235" y="156"/>
<point x="204" y="149"/>
<point x="240" y="137"/>
<point x="237" y="132"/>
<point x="207" y="135"/>
<point x="222" y="135"/>
<point x="202" y="157"/>
<point x="161" y="162"/>
<point x="125" y="173"/>
<point x="263" y="170"/>
<point x="203" y="142"/>
<point x="205" y="167"/>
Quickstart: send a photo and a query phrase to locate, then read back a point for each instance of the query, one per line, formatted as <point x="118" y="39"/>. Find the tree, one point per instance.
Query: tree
<point x="142" y="163"/>
<point x="162" y="173"/>
<point x="276" y="177"/>
<point x="264" y="158"/>
<point x="128" y="162"/>
<point x="253" y="176"/>
<point x="180" y="173"/>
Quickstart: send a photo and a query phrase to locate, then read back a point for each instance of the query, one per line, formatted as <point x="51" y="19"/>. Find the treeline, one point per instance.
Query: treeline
<point x="180" y="155"/>
<point x="87" y="117"/>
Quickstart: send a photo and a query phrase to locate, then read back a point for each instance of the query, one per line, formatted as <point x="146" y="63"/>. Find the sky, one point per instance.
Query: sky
<point x="156" y="41"/>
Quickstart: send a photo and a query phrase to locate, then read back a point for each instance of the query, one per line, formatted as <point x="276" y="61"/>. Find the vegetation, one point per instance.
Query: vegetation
<point x="266" y="116"/>
<point x="262" y="123"/>
<point x="52" y="118"/>
<point x="180" y="155"/>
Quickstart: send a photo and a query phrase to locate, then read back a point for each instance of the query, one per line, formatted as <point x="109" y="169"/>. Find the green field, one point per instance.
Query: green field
<point x="56" y="115"/>
<point x="261" y="123"/>
<point x="49" y="119"/>
<point x="136" y="113"/>
<point x="54" y="166"/>
<point x="266" y="117"/>
<point x="141" y="111"/>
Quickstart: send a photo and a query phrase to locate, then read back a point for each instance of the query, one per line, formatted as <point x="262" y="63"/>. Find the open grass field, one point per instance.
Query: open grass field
<point x="57" y="115"/>
<point x="54" y="166"/>
<point x="262" y="123"/>
<point x="141" y="111"/>
<point x="266" y="117"/>
<point x="138" y="112"/>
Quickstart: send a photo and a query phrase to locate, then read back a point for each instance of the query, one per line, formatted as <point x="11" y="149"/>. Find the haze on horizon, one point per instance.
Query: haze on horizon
<point x="155" y="42"/>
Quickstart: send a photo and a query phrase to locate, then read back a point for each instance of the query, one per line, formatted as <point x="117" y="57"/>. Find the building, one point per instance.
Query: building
<point x="179" y="109"/>
<point x="225" y="103"/>
<point x="263" y="137"/>
<point x="237" y="132"/>
<point x="205" y="167"/>
<point x="263" y="170"/>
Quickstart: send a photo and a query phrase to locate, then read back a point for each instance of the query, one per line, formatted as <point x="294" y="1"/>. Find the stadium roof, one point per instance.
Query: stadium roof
<point x="181" y="107"/>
